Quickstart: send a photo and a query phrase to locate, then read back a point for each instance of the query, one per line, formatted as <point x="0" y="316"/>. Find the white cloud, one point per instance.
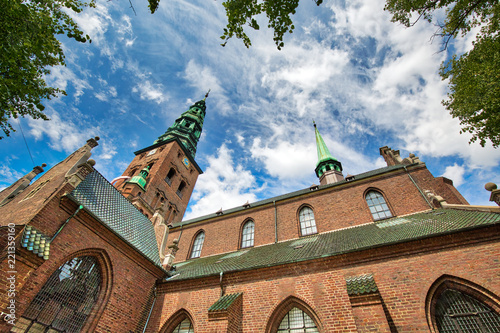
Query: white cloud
<point x="223" y="184"/>
<point x="150" y="91"/>
<point x="456" y="173"/>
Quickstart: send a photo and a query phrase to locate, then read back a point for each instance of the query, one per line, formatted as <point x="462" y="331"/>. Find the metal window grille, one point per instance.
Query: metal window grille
<point x="307" y="222"/>
<point x="197" y="245"/>
<point x="297" y="321"/>
<point x="66" y="299"/>
<point x="247" y="234"/>
<point x="184" y="327"/>
<point x="378" y="206"/>
<point x="460" y="313"/>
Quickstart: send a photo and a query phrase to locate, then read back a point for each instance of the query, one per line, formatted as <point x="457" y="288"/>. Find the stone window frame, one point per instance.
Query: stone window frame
<point x="286" y="306"/>
<point x="242" y="235"/>
<point x="105" y="269"/>
<point x="193" y="245"/>
<point x="178" y="317"/>
<point x="447" y="282"/>
<point x="299" y="224"/>
<point x="379" y="191"/>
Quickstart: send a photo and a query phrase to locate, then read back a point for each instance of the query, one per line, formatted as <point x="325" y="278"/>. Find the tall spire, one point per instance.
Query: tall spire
<point x="328" y="169"/>
<point x="187" y="128"/>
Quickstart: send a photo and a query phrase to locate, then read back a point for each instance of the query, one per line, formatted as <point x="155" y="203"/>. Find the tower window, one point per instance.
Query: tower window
<point x="247" y="234"/>
<point x="197" y="245"/>
<point x="181" y="187"/>
<point x="307" y="222"/>
<point x="458" y="312"/>
<point x="297" y="320"/>
<point x="378" y="206"/>
<point x="170" y="176"/>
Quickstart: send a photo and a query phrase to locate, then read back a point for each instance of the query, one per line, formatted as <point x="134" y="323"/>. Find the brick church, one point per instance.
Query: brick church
<point x="390" y="250"/>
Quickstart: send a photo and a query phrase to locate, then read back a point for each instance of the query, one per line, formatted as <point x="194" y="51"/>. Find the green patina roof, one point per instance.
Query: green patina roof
<point x="361" y="284"/>
<point x="224" y="302"/>
<point x="323" y="152"/>
<point x="109" y="206"/>
<point x="36" y="242"/>
<point x="140" y="179"/>
<point x="389" y="231"/>
<point x="294" y="194"/>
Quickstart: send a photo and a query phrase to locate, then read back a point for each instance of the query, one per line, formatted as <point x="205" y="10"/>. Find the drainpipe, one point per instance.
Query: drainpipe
<point x="418" y="188"/>
<point x="66" y="222"/>
<point x="221" y="287"/>
<point x="150" y="311"/>
<point x="275" y="222"/>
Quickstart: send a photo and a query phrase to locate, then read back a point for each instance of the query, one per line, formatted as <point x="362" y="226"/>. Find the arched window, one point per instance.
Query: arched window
<point x="184" y="326"/>
<point x="197" y="245"/>
<point x="170" y="176"/>
<point x="247" y="234"/>
<point x="378" y="206"/>
<point x="459" y="312"/>
<point x="307" y="222"/>
<point x="181" y="187"/>
<point x="66" y="300"/>
<point x="297" y="321"/>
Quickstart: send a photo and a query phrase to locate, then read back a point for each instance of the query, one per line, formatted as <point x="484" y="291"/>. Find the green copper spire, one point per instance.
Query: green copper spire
<point x="187" y="128"/>
<point x="326" y="161"/>
<point x="140" y="179"/>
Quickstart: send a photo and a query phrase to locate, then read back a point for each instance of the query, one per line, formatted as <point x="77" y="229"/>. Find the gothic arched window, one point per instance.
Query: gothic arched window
<point x="307" y="222"/>
<point x="66" y="300"/>
<point x="378" y="206"/>
<point x="170" y="175"/>
<point x="457" y="312"/>
<point x="297" y="321"/>
<point x="247" y="234"/>
<point x="181" y="187"/>
<point x="197" y="245"/>
<point x="184" y="326"/>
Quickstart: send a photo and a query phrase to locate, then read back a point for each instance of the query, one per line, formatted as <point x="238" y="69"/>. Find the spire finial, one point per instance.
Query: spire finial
<point x="314" y="123"/>
<point x="206" y="95"/>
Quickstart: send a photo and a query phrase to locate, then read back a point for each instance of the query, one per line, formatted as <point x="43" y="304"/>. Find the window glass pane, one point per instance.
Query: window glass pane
<point x="378" y="206"/>
<point x="458" y="312"/>
<point x="247" y="236"/>
<point x="197" y="245"/>
<point x="66" y="299"/>
<point x="297" y="320"/>
<point x="184" y="327"/>
<point x="307" y="222"/>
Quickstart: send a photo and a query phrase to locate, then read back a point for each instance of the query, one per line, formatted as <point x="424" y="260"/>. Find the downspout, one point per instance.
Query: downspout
<point x="418" y="188"/>
<point x="275" y="222"/>
<point x="150" y="311"/>
<point x="221" y="287"/>
<point x="66" y="222"/>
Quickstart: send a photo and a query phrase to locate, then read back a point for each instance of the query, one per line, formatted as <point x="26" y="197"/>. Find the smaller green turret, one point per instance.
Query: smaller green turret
<point x="140" y="179"/>
<point x="327" y="164"/>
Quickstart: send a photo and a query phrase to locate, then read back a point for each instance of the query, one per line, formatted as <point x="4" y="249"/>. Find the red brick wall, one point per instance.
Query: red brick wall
<point x="403" y="273"/>
<point x="334" y="208"/>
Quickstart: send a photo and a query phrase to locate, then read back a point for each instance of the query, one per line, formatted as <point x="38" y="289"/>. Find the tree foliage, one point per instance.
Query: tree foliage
<point x="474" y="77"/>
<point x="243" y="12"/>
<point x="29" y="47"/>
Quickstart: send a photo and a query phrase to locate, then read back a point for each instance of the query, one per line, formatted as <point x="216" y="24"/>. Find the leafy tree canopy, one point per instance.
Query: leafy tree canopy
<point x="474" y="77"/>
<point x="28" y="30"/>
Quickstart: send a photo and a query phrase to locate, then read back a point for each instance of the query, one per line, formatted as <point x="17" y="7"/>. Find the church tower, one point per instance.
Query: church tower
<point x="328" y="169"/>
<point x="160" y="179"/>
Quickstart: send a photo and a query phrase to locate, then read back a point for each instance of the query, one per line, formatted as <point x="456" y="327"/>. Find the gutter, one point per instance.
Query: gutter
<point x="66" y="222"/>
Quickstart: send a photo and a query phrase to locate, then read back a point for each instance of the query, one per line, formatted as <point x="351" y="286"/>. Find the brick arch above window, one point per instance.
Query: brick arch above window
<point x="247" y="233"/>
<point x="377" y="204"/>
<point x="293" y="308"/>
<point x="180" y="322"/>
<point x="197" y="244"/>
<point x="306" y="220"/>
<point x="452" y="302"/>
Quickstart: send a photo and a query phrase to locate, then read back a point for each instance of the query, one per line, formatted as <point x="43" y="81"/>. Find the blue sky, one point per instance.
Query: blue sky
<point x="367" y="83"/>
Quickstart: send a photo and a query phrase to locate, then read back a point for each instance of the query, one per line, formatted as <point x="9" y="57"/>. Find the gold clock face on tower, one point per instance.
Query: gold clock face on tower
<point x="186" y="162"/>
